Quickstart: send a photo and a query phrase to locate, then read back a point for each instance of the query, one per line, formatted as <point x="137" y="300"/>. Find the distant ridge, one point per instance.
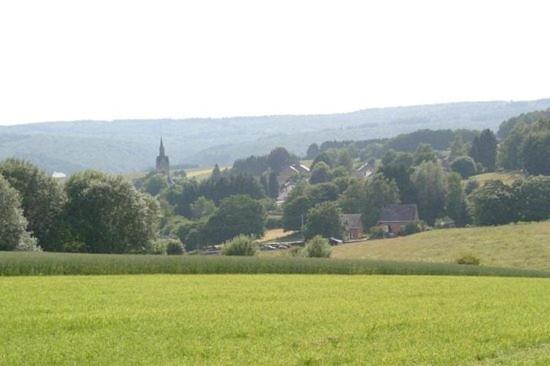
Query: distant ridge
<point x="130" y="145"/>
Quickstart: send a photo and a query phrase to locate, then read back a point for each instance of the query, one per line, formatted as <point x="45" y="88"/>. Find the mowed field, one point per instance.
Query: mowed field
<point x="524" y="245"/>
<point x="274" y="320"/>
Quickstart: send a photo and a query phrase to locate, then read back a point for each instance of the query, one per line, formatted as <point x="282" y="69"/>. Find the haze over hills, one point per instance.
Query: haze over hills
<point x="131" y="145"/>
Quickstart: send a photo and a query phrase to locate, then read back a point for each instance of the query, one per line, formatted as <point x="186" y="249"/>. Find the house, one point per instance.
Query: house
<point x="365" y="170"/>
<point x="353" y="226"/>
<point x="284" y="192"/>
<point x="290" y="170"/>
<point x="395" y="217"/>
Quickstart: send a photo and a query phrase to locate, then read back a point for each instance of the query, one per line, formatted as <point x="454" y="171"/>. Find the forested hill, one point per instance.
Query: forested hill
<point x="122" y="146"/>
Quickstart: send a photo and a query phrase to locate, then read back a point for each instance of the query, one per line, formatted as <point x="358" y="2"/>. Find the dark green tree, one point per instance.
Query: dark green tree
<point x="12" y="222"/>
<point x="312" y="151"/>
<point x="535" y="150"/>
<point x="492" y="204"/>
<point x="484" y="149"/>
<point x="455" y="205"/>
<point x="323" y="220"/>
<point x="239" y="214"/>
<point x="424" y="153"/>
<point x="465" y="166"/>
<point x="108" y="215"/>
<point x="532" y="198"/>
<point x="42" y="200"/>
<point x="431" y="185"/>
<point x="278" y="159"/>
<point x="379" y="192"/>
<point x="320" y="173"/>
<point x="295" y="211"/>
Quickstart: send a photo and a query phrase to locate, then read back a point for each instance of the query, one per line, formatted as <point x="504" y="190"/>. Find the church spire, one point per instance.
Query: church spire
<point x="161" y="149"/>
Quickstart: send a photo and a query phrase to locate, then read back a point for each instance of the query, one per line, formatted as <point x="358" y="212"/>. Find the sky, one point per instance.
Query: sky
<point x="76" y="59"/>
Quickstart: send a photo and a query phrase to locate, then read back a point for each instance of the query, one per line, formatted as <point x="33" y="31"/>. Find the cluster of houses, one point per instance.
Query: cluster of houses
<point x="393" y="218"/>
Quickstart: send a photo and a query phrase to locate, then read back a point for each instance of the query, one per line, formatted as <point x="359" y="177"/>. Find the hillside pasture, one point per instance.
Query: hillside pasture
<point x="506" y="177"/>
<point x="523" y="245"/>
<point x="274" y="320"/>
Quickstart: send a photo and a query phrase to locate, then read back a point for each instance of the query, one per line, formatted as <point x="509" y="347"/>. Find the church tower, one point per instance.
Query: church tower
<point x="163" y="164"/>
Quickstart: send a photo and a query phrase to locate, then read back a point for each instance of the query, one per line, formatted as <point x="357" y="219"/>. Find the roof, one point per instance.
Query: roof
<point x="399" y="212"/>
<point x="351" y="221"/>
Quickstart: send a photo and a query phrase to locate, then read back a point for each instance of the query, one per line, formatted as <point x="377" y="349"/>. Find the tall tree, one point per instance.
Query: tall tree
<point x="312" y="151"/>
<point x="492" y="204"/>
<point x="323" y="220"/>
<point x="456" y="200"/>
<point x="12" y="222"/>
<point x="484" y="149"/>
<point x="424" y="153"/>
<point x="379" y="192"/>
<point x="535" y="150"/>
<point x="239" y="214"/>
<point x="278" y="159"/>
<point x="42" y="199"/>
<point x="108" y="215"/>
<point x="320" y="173"/>
<point x="430" y="184"/>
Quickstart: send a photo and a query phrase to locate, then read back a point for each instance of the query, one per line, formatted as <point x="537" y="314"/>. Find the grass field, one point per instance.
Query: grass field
<point x="25" y="264"/>
<point x="505" y="177"/>
<point x="516" y="246"/>
<point x="274" y="320"/>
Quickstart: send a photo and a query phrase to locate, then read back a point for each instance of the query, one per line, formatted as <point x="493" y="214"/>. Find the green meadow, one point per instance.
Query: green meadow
<point x="274" y="320"/>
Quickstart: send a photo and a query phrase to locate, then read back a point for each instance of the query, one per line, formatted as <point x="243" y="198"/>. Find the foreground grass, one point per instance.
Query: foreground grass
<point x="274" y="320"/>
<point x="524" y="246"/>
<point x="21" y="263"/>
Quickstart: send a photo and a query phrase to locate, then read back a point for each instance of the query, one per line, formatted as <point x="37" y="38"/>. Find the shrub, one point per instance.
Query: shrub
<point x="241" y="245"/>
<point x="411" y="228"/>
<point x="174" y="247"/>
<point x="317" y="247"/>
<point x="377" y="233"/>
<point x="468" y="259"/>
<point x="167" y="246"/>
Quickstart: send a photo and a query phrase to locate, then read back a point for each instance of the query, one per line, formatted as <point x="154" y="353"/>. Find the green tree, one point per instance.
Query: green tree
<point x="379" y="192"/>
<point x="273" y="185"/>
<point x="203" y="207"/>
<point x="532" y="198"/>
<point x="295" y="211"/>
<point x="312" y="151"/>
<point x="320" y="173"/>
<point x="155" y="183"/>
<point x="465" y="166"/>
<point x="322" y="157"/>
<point x="239" y="214"/>
<point x="353" y="198"/>
<point x="456" y="200"/>
<point x="535" y="150"/>
<point x="430" y="184"/>
<point x="345" y="160"/>
<point x="398" y="167"/>
<point x="108" y="215"/>
<point x="424" y="153"/>
<point x="42" y="200"/>
<point x="484" y="149"/>
<point x="509" y="152"/>
<point x="458" y="147"/>
<point x="492" y="204"/>
<point x="323" y="220"/>
<point x="12" y="221"/>
<point x="278" y="159"/>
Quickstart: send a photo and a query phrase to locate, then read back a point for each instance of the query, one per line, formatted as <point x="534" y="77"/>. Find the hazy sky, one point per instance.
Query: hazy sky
<point x="64" y="60"/>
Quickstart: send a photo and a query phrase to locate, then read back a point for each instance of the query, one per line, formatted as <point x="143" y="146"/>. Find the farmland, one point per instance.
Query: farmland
<point x="524" y="245"/>
<point x="21" y="263"/>
<point x="273" y="319"/>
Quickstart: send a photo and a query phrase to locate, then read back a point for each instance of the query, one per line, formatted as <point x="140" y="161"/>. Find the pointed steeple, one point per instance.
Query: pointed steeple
<point x="161" y="149"/>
